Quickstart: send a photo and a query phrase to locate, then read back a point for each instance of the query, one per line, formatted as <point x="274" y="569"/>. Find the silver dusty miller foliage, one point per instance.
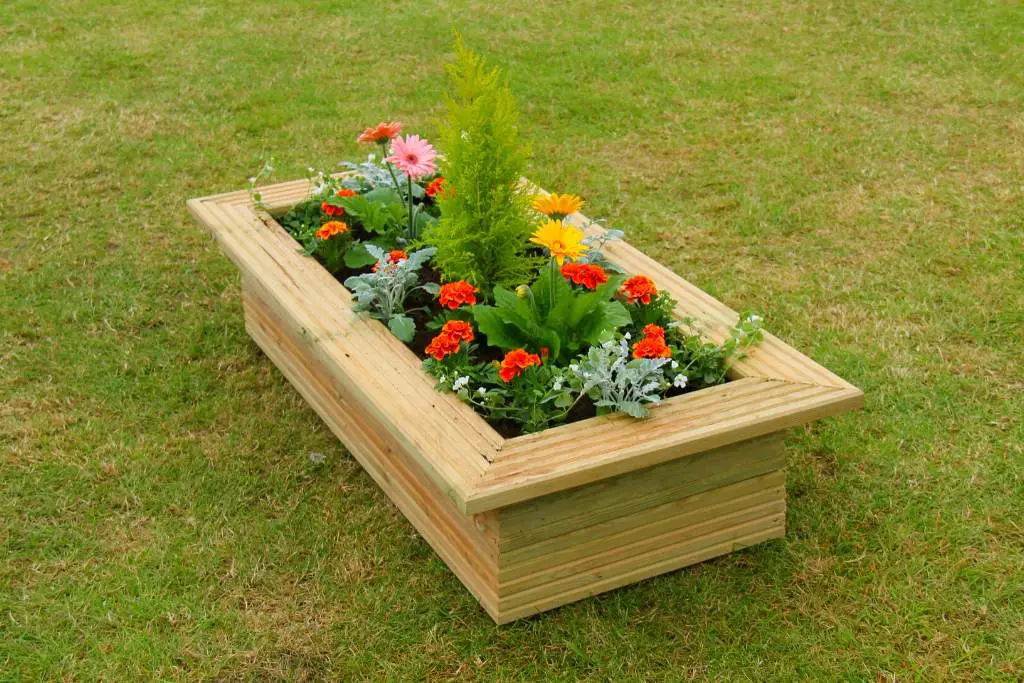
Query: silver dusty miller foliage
<point x="608" y="376"/>
<point x="383" y="292"/>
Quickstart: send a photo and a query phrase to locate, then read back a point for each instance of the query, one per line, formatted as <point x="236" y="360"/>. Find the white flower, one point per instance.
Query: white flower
<point x="673" y="325"/>
<point x="755" y="318"/>
<point x="627" y="336"/>
<point x="679" y="381"/>
<point x="252" y="180"/>
<point x="574" y="368"/>
<point x="482" y="390"/>
<point x="675" y="365"/>
<point x="442" y="379"/>
<point x="460" y="382"/>
<point x="558" y="384"/>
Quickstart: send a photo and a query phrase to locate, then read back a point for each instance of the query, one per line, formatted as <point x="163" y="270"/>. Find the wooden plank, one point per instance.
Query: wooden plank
<point x="469" y="552"/>
<point x="567" y="511"/>
<point x="434" y="428"/>
<point x="630" y="570"/>
<point x="646" y="540"/>
<point x="599" y="451"/>
<point x="621" y="530"/>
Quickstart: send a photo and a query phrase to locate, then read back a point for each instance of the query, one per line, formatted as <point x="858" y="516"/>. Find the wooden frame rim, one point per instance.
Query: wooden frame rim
<point x="775" y="387"/>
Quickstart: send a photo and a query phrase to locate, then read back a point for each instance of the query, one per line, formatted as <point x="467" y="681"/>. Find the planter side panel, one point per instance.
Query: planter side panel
<point x="568" y="546"/>
<point x="468" y="545"/>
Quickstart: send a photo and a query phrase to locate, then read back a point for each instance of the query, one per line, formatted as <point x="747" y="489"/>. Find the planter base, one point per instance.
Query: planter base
<point x="534" y="556"/>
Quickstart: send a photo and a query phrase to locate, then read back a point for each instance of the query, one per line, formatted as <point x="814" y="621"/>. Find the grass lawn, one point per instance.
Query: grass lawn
<point x="854" y="171"/>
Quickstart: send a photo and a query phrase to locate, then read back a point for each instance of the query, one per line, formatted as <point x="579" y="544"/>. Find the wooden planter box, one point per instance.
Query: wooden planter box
<point x="537" y="521"/>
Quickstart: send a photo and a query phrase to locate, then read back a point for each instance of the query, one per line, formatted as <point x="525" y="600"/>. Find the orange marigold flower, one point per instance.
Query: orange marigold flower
<point x="515" y="362"/>
<point x="435" y="186"/>
<point x="443" y="345"/>
<point x="330" y="229"/>
<point x="651" y="347"/>
<point x="639" y="288"/>
<point x="332" y="210"/>
<point x="380" y="133"/>
<point x="459" y="329"/>
<point x="652" y="331"/>
<point x="586" y="274"/>
<point x="455" y="294"/>
<point x="394" y="256"/>
<point x="345" y="192"/>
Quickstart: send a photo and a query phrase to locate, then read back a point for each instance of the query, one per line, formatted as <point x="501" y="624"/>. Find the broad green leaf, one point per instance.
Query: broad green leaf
<point x="403" y="327"/>
<point x="358" y="257"/>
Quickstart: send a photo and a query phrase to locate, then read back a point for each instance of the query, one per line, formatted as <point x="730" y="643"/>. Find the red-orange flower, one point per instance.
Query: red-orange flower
<point x="515" y="362"/>
<point x="656" y="331"/>
<point x="455" y="294"/>
<point x="651" y="347"/>
<point x="394" y="256"/>
<point x="380" y="133"/>
<point x="639" y="288"/>
<point x="435" y="186"/>
<point x="331" y="209"/>
<point x="459" y="329"/>
<point x="443" y="345"/>
<point x="330" y="229"/>
<point x="586" y="274"/>
<point x="447" y="341"/>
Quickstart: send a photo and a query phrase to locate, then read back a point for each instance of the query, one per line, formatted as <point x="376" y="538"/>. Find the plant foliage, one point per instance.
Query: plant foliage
<point x="383" y="292"/>
<point x="485" y="216"/>
<point x="552" y="315"/>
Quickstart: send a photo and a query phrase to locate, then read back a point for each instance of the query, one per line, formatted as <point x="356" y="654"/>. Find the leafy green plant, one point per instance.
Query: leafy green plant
<point x="485" y="216"/>
<point x="383" y="292"/>
<point x="542" y="396"/>
<point x="658" y="312"/>
<point x="701" y="363"/>
<point x="552" y="315"/>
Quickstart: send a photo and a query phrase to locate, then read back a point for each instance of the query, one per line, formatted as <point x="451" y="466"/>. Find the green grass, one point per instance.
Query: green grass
<point x="853" y="170"/>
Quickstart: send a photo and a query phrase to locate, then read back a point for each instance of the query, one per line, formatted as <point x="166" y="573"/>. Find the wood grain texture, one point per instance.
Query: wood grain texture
<point x="461" y="541"/>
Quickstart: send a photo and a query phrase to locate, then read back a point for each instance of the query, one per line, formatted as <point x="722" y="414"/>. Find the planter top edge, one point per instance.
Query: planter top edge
<point x="775" y="387"/>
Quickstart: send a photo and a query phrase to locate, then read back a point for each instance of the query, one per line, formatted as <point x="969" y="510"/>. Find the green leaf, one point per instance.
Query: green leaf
<point x="616" y="315"/>
<point x="403" y="327"/>
<point x="499" y="333"/>
<point x="633" y="409"/>
<point x="358" y="257"/>
<point x="423" y="222"/>
<point x="379" y="210"/>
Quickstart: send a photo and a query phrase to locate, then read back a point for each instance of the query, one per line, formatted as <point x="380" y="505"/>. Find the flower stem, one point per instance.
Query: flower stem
<point x="412" y="226"/>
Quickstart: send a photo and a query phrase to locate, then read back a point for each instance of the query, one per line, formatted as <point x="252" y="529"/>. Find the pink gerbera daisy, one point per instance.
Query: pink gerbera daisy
<point x="413" y="155"/>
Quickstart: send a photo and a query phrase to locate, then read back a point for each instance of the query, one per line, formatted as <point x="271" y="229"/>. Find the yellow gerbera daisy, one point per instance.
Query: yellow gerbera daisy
<point x="563" y="241"/>
<point x="557" y="206"/>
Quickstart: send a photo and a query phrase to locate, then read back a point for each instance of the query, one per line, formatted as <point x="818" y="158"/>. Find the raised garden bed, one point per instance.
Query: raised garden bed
<point x="539" y="520"/>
